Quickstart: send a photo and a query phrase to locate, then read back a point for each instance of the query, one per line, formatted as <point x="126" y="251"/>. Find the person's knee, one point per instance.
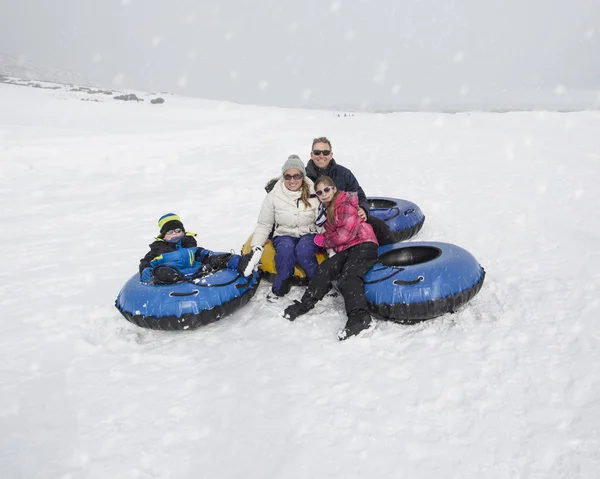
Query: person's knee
<point x="282" y="243"/>
<point x="307" y="257"/>
<point x="349" y="278"/>
<point x="285" y="250"/>
<point x="306" y="247"/>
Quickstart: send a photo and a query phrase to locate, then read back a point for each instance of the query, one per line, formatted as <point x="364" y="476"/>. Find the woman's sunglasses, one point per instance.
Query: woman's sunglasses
<point x="323" y="152"/>
<point x="297" y="176"/>
<point x="327" y="189"/>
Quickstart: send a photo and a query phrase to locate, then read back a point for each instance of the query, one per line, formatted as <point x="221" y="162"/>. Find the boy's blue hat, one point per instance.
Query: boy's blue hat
<point x="168" y="222"/>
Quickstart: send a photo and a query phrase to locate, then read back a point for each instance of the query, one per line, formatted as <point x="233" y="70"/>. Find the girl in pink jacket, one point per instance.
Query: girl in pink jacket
<point x="355" y="247"/>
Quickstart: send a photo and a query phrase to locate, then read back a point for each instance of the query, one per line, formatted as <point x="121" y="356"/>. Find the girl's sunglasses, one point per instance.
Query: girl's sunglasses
<point x="297" y="176"/>
<point x="327" y="189"/>
<point x="323" y="152"/>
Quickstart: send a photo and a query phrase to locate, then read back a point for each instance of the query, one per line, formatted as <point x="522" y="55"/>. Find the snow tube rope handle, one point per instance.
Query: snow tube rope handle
<point x="200" y="285"/>
<point x="406" y="213"/>
<point x="246" y="284"/>
<point x="397" y="282"/>
<point x="394" y="215"/>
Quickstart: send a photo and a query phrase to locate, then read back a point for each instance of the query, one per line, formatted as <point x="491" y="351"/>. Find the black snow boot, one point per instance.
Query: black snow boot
<point x="355" y="325"/>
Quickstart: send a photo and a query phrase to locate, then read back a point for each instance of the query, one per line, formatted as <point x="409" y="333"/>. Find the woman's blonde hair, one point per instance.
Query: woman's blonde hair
<point x="326" y="180"/>
<point x="305" y="194"/>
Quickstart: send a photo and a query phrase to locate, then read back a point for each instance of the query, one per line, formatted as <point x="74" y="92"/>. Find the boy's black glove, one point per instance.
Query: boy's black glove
<point x="216" y="262"/>
<point x="166" y="274"/>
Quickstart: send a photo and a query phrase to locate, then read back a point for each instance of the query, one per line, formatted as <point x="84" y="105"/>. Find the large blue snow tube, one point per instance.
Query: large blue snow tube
<point x="412" y="282"/>
<point x="185" y="305"/>
<point x="403" y="217"/>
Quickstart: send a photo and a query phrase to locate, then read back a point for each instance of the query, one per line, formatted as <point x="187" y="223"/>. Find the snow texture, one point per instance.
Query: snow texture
<point x="504" y="388"/>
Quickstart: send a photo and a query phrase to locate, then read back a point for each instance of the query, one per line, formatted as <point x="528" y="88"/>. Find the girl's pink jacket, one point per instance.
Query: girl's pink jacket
<point x="348" y="228"/>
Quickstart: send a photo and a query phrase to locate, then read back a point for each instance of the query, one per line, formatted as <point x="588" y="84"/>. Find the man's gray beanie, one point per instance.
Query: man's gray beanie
<point x="293" y="161"/>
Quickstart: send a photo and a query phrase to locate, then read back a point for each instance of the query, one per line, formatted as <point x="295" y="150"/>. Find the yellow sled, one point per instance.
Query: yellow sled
<point x="267" y="260"/>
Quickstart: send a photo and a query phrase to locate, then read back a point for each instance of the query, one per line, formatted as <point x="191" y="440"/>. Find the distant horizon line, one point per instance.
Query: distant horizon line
<point x="341" y="109"/>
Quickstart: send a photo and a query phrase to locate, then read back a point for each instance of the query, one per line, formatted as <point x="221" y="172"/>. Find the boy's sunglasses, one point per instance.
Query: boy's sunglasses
<point x="319" y="152"/>
<point x="327" y="189"/>
<point x="297" y="176"/>
<point x="174" y="232"/>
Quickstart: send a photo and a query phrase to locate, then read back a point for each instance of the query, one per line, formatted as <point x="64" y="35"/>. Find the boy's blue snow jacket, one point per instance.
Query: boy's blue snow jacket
<point x="186" y="255"/>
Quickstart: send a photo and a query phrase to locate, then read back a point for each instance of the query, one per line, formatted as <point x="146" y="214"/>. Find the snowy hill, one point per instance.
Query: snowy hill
<point x="504" y="388"/>
<point x="12" y="66"/>
<point x="85" y="93"/>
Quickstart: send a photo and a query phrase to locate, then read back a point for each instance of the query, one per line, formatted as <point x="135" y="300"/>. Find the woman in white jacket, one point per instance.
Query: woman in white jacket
<point x="289" y="210"/>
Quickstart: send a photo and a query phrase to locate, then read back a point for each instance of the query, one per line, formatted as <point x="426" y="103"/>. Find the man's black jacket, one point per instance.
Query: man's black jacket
<point x="342" y="177"/>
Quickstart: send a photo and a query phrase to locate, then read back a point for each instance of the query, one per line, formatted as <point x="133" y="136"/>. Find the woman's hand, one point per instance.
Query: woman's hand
<point x="249" y="262"/>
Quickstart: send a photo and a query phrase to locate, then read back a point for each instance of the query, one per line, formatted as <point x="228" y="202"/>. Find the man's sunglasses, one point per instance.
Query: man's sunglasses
<point x="323" y="152"/>
<point x="174" y="232"/>
<point x="327" y="189"/>
<point x="297" y="176"/>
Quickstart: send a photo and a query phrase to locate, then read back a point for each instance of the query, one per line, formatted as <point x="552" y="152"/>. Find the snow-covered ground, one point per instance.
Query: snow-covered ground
<point x="506" y="388"/>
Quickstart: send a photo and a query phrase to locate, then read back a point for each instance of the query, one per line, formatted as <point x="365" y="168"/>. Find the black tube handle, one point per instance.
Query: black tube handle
<point x="399" y="282"/>
<point x="187" y="293"/>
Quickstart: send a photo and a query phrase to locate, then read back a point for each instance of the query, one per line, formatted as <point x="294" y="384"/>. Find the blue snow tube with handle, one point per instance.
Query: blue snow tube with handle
<point x="187" y="304"/>
<point x="402" y="216"/>
<point x="416" y="281"/>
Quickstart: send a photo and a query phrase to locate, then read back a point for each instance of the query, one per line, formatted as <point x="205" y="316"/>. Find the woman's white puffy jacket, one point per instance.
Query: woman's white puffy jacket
<point x="285" y="210"/>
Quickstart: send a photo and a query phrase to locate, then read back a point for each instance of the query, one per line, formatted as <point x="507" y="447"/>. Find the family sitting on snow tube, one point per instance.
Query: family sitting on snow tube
<point x="292" y="214"/>
<point x="288" y="216"/>
<point x="313" y="232"/>
<point x="351" y="232"/>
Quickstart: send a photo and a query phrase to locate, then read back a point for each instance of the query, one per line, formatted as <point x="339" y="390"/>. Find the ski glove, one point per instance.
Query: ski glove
<point x="249" y="262"/>
<point x="216" y="262"/>
<point x="146" y="275"/>
<point x="319" y="240"/>
<point x="295" y="310"/>
<point x="243" y="262"/>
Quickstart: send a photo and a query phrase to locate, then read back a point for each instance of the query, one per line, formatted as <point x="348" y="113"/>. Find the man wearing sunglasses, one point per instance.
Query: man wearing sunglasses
<point x="322" y="163"/>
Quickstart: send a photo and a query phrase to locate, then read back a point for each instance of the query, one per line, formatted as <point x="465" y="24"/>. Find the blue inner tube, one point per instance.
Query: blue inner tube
<point x="185" y="305"/>
<point x="403" y="217"/>
<point x="412" y="282"/>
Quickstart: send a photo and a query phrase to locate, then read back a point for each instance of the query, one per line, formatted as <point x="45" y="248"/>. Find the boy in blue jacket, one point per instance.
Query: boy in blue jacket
<point x="176" y="247"/>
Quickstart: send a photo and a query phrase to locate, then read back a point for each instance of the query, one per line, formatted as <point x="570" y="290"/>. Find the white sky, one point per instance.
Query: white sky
<point x="361" y="53"/>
